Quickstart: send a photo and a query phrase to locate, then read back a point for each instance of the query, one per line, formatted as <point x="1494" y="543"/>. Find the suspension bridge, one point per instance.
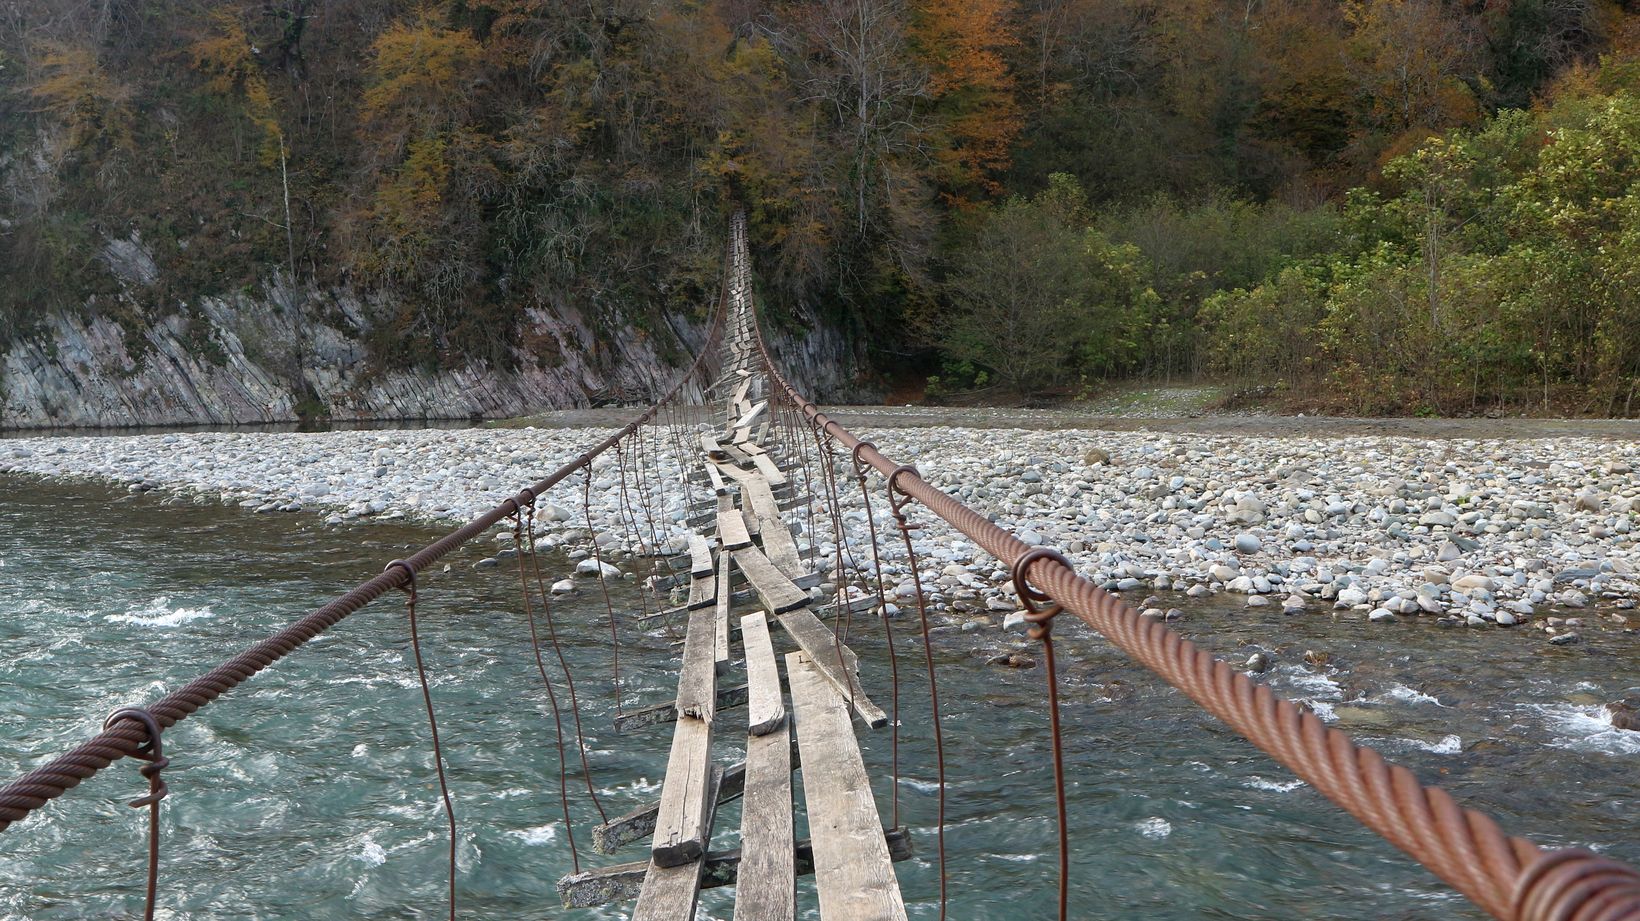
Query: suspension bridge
<point x="770" y="687"/>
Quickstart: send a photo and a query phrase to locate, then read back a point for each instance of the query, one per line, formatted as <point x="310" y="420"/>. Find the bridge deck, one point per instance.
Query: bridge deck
<point x="850" y="854"/>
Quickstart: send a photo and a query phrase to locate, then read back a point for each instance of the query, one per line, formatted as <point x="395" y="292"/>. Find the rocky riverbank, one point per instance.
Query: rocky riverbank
<point x="1537" y="533"/>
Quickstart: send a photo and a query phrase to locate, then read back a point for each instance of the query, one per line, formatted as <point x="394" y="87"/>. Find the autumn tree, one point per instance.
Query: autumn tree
<point x="962" y="43"/>
<point x="74" y="87"/>
<point x="1414" y="62"/>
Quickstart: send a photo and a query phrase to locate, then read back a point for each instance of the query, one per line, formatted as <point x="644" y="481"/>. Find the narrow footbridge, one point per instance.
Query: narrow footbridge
<point x="772" y="688"/>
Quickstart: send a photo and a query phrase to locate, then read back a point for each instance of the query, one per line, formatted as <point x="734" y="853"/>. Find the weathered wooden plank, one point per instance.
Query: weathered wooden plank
<point x="669" y="893"/>
<point x="720" y="621"/>
<point x="766" y="466"/>
<point x="702" y="592"/>
<point x="731" y="527"/>
<point x="766" y="708"/>
<point x="700" y="557"/>
<point x="777" y="592"/>
<point x="778" y="543"/>
<point x="640" y="823"/>
<point x="709" y="444"/>
<point x="621" y="882"/>
<point x="716" y="478"/>
<point x="753" y="449"/>
<point x="681" y="826"/>
<point x="750" y="417"/>
<point x="852" y="870"/>
<point x="754" y="527"/>
<point x="697" y="679"/>
<point x="727" y="699"/>
<point x="766" y="889"/>
<point x="834" y="660"/>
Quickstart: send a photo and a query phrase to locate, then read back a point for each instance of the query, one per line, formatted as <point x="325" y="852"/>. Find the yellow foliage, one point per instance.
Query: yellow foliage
<point x="225" y="55"/>
<point x="74" y="87"/>
<point x="420" y="73"/>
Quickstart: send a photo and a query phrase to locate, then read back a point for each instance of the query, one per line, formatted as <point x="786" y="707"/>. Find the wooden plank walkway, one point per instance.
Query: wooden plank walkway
<point x="766" y="888"/>
<point x="852" y="868"/>
<point x="747" y="540"/>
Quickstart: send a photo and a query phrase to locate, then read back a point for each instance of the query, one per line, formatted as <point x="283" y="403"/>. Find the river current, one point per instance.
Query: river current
<point x="309" y="792"/>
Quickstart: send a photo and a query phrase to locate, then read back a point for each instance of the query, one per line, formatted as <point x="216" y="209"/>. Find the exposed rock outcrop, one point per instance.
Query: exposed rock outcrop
<point x="252" y="359"/>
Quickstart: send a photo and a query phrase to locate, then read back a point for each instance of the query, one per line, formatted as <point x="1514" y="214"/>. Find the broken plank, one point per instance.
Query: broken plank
<point x="731" y="527"/>
<point x="621" y="882"/>
<point x="834" y="660"/>
<point x="718" y="486"/>
<point x="697" y="685"/>
<point x="700" y="557"/>
<point x="766" y="466"/>
<point x="750" y="416"/>
<point x="670" y="893"/>
<point x="777" y="592"/>
<point x="655" y="715"/>
<point x="702" y="592"/>
<point x="709" y="444"/>
<point x="852" y="870"/>
<point x="683" y="823"/>
<point x="640" y="823"/>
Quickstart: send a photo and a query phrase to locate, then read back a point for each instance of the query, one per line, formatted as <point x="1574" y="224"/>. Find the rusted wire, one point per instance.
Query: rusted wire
<point x="603" y="585"/>
<point x="410" y="596"/>
<point x="897" y="508"/>
<point x="541" y="667"/>
<point x="1509" y="877"/>
<point x="888" y="630"/>
<point x="1041" y="621"/>
<point x="153" y="752"/>
<point x="569" y="676"/>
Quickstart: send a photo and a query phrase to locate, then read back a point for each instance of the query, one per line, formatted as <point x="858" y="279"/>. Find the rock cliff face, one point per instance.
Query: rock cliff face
<point x="252" y="359"/>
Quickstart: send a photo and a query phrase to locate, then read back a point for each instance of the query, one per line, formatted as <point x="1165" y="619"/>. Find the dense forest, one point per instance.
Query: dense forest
<point x="1368" y="205"/>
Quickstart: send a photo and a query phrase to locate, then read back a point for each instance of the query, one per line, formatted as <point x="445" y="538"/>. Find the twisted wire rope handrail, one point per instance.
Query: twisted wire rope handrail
<point x="1510" y="877"/>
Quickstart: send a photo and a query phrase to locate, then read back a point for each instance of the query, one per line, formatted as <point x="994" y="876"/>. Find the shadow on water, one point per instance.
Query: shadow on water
<point x="309" y="792"/>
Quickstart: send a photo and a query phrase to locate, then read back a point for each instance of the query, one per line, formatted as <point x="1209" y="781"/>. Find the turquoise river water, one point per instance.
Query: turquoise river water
<point x="309" y="792"/>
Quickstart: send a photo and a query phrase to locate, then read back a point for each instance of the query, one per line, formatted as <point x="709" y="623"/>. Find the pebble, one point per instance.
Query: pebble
<point x="1481" y="528"/>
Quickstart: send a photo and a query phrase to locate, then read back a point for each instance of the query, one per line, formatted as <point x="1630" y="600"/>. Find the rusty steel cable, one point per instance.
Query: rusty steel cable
<point x="1509" y="877"/>
<point x="124" y="739"/>
<point x="569" y="676"/>
<point x="1041" y="621"/>
<point x="609" y="606"/>
<point x="519" y="538"/>
<point x="153" y="752"/>
<point x="888" y="631"/>
<point x="897" y="508"/>
<point x="410" y="598"/>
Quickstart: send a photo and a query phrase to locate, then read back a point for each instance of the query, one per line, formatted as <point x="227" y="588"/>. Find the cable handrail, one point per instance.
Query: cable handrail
<point x="1508" y="876"/>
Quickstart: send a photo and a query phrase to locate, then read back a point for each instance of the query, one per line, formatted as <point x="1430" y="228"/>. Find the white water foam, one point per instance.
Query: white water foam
<point x="372" y="853"/>
<point x="1405" y="694"/>
<point x="1449" y="745"/>
<point x="1259" y="783"/>
<point x="1154" y="827"/>
<point x="1587" y="728"/>
<point x="159" y="613"/>
<point x="541" y="834"/>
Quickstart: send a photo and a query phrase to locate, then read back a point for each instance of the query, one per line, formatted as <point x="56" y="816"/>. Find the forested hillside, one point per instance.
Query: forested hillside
<point x="1414" y="204"/>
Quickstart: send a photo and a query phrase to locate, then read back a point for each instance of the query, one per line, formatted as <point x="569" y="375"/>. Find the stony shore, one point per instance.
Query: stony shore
<point x="1532" y="532"/>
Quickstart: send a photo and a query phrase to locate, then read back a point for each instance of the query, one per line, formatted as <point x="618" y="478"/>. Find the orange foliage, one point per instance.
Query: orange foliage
<point x="962" y="42"/>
